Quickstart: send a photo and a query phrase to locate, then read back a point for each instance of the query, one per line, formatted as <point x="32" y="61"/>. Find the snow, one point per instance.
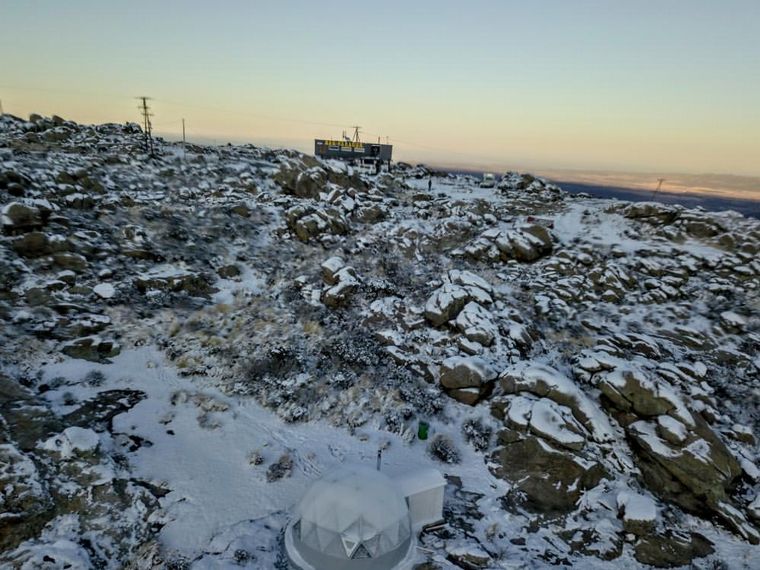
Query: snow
<point x="733" y="319"/>
<point x="637" y="507"/>
<point x="15" y="465"/>
<point x="673" y="426"/>
<point x="475" y="321"/>
<point x="657" y="389"/>
<point x="213" y="485"/>
<point x="547" y="419"/>
<point x="546" y="380"/>
<point x="754" y="507"/>
<point x="445" y="297"/>
<point x="165" y="271"/>
<point x="646" y="431"/>
<point x="607" y="231"/>
<point x="750" y="469"/>
<point x="71" y="441"/>
<point x="630" y="289"/>
<point x="419" y="480"/>
<point x="332" y="265"/>
<point x="519" y="410"/>
<point x="474" y="367"/>
<point x="64" y="553"/>
<point x="229" y="291"/>
<point x="469" y="279"/>
<point x="680" y="410"/>
<point x="104" y="290"/>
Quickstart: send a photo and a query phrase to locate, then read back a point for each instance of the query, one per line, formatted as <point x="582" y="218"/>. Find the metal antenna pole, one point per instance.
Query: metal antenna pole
<point x="356" y="133"/>
<point x="1" y="108"/>
<point x="659" y="185"/>
<point x="183" y="139"/>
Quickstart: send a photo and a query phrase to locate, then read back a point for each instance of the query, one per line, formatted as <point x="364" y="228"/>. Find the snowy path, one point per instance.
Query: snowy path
<point x="214" y="485"/>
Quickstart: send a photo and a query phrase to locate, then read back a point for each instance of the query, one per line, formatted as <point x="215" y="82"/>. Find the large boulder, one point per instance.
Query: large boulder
<point x="330" y="268"/>
<point x="460" y="288"/>
<point x="698" y="473"/>
<point x="467" y="379"/>
<point x="477" y="324"/>
<point x="670" y="549"/>
<point x="547" y="382"/>
<point x="680" y="458"/>
<point x="632" y="390"/>
<point x="346" y="284"/>
<point x="92" y="348"/>
<point x="14" y="183"/>
<point x="31" y="244"/>
<point x="309" y="183"/>
<point x="545" y="479"/>
<point x="542" y="417"/>
<point x="652" y="212"/>
<point x="465" y="372"/>
<point x="305" y="178"/>
<point x="309" y="222"/>
<point x="639" y="512"/>
<point x="699" y="224"/>
<point x="445" y="303"/>
<point x="526" y="243"/>
<point x="173" y="279"/>
<point x="19" y="218"/>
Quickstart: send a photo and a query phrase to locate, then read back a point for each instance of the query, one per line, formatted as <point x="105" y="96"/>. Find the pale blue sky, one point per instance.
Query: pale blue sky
<point x="616" y="84"/>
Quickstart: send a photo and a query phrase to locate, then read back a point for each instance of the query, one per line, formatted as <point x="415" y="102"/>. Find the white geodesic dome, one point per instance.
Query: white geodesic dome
<point x="353" y="519"/>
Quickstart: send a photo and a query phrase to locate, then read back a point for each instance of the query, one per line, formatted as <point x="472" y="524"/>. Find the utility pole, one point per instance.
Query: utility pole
<point x="659" y="185"/>
<point x="147" y="126"/>
<point x="356" y="134"/>
<point x="183" y="139"/>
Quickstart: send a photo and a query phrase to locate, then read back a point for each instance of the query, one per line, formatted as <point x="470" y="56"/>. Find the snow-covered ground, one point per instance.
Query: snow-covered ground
<point x="189" y="341"/>
<point x="214" y="483"/>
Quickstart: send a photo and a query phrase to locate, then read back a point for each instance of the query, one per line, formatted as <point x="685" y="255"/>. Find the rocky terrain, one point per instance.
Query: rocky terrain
<point x="187" y="340"/>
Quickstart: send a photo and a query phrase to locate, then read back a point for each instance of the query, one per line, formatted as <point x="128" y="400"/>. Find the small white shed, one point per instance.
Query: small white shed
<point x="423" y="490"/>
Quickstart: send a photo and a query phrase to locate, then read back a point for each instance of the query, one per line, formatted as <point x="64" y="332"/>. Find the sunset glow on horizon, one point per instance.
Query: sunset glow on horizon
<point x="645" y="86"/>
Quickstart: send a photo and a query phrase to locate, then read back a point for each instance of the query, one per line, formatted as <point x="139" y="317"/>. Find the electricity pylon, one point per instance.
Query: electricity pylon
<point x="147" y="125"/>
<point x="659" y="185"/>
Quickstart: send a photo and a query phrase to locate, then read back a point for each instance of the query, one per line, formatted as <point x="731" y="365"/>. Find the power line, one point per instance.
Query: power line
<point x="67" y="91"/>
<point x="251" y="115"/>
<point x="266" y="117"/>
<point x="180" y="104"/>
<point x="401" y="142"/>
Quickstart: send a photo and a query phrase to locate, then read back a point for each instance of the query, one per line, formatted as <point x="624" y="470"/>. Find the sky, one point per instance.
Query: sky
<point x="619" y="85"/>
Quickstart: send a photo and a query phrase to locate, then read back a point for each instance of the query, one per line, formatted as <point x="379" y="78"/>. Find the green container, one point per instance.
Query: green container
<point x="422" y="430"/>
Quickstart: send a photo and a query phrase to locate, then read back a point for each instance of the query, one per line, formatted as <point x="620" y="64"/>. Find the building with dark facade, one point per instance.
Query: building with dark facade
<point x="368" y="155"/>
